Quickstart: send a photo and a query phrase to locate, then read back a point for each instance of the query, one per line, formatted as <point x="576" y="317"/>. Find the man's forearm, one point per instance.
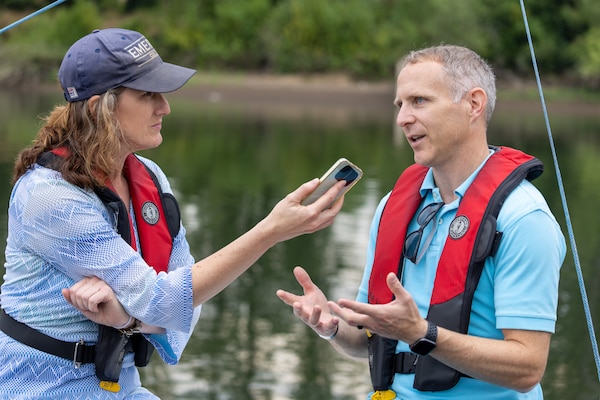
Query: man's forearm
<point x="350" y="341"/>
<point x="517" y="362"/>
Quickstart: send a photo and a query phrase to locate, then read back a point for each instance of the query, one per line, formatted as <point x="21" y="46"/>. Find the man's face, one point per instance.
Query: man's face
<point x="434" y="125"/>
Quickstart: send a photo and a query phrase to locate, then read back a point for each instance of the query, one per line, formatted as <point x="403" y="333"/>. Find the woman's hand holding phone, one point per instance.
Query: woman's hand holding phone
<point x="342" y="169"/>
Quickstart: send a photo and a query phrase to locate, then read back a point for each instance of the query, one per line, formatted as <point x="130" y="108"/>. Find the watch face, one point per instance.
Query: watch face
<point x="422" y="346"/>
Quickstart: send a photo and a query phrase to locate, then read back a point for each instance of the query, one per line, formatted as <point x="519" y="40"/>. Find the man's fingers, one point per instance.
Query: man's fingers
<point x="395" y="286"/>
<point x="314" y="317"/>
<point x="354" y="306"/>
<point x="287" y="297"/>
<point x="303" y="278"/>
<point x="354" y="313"/>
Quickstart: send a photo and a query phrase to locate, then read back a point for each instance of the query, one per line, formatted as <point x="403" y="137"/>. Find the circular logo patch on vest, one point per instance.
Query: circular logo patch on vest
<point x="150" y="213"/>
<point x="458" y="227"/>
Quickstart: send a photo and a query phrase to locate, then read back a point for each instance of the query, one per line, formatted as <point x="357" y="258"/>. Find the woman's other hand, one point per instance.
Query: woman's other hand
<point x="97" y="301"/>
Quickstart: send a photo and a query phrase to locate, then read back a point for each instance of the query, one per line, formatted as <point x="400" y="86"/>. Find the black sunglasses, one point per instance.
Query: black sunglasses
<point x="413" y="239"/>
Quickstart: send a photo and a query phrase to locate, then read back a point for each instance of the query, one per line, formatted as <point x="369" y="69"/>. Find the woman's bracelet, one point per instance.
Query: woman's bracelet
<point x="337" y="328"/>
<point x="126" y="325"/>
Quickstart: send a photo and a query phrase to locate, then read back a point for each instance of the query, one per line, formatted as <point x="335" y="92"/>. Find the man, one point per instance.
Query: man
<point x="459" y="294"/>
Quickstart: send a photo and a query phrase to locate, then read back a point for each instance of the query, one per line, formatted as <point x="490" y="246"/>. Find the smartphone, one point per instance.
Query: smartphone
<point x="342" y="169"/>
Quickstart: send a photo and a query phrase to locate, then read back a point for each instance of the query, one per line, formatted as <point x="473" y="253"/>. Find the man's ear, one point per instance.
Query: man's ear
<point x="477" y="101"/>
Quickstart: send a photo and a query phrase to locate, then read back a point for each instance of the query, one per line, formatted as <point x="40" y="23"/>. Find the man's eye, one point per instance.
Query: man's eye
<point x="419" y="100"/>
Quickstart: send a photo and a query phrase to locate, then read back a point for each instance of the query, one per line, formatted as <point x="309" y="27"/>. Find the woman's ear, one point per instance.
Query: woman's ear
<point x="93" y="104"/>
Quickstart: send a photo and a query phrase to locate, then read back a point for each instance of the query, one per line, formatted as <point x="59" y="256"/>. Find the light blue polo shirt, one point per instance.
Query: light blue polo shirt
<point x="518" y="288"/>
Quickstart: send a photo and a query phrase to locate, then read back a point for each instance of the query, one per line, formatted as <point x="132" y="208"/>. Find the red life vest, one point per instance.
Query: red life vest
<point x="156" y="213"/>
<point x="463" y="256"/>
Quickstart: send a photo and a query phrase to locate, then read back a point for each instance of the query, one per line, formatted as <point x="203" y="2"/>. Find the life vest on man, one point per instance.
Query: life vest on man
<point x="471" y="239"/>
<point x="157" y="216"/>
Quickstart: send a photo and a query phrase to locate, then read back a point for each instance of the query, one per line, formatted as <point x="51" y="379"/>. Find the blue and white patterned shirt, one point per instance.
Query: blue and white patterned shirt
<point x="59" y="233"/>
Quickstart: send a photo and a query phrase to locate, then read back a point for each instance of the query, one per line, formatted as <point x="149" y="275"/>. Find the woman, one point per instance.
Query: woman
<point x="85" y="208"/>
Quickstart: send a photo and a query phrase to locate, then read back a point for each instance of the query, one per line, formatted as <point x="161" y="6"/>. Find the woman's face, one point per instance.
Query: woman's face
<point x="140" y="117"/>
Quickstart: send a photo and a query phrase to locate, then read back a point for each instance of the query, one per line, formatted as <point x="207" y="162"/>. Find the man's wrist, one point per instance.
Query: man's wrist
<point x="332" y="336"/>
<point x="427" y="343"/>
<point x="421" y="332"/>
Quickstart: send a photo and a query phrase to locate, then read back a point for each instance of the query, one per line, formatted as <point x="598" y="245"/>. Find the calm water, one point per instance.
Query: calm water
<point x="229" y="164"/>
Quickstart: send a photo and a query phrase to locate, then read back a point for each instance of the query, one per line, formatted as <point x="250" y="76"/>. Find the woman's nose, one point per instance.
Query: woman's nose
<point x="163" y="107"/>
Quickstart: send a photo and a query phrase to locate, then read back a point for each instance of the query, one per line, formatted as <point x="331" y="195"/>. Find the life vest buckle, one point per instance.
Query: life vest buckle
<point x="383" y="395"/>
<point x="77" y="354"/>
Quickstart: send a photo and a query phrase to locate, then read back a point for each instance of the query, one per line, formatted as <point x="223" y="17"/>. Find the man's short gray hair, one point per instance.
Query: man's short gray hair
<point x="465" y="68"/>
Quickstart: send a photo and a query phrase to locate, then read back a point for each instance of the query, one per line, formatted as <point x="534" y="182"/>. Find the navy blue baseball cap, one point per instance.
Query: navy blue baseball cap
<point x="113" y="57"/>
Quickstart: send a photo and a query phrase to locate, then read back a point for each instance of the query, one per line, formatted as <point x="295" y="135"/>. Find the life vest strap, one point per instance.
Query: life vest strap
<point x="406" y="363"/>
<point x="78" y="352"/>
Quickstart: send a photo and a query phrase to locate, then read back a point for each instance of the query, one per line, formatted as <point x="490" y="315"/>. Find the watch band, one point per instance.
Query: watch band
<point x="432" y="331"/>
<point x="426" y="344"/>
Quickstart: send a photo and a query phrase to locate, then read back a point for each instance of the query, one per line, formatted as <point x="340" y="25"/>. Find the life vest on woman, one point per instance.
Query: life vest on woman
<point x="471" y="239"/>
<point x="157" y="214"/>
<point x="157" y="217"/>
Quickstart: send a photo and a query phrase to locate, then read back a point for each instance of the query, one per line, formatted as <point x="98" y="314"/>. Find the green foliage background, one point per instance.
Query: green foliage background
<point x="362" y="38"/>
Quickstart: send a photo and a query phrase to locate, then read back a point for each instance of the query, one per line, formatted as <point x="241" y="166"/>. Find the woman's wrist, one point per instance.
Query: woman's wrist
<point x="130" y="322"/>
<point x="266" y="228"/>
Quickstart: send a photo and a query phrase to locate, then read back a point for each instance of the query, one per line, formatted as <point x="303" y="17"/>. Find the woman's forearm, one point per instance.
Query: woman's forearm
<point x="287" y="220"/>
<point x="214" y="273"/>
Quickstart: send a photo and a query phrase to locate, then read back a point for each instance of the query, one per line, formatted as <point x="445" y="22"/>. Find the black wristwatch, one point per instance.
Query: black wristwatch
<point x="426" y="344"/>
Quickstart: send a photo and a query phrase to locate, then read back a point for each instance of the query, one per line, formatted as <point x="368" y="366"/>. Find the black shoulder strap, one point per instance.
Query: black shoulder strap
<point x="169" y="203"/>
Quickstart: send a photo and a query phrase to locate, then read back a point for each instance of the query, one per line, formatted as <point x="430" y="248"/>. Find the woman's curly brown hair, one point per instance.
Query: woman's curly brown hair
<point x="91" y="135"/>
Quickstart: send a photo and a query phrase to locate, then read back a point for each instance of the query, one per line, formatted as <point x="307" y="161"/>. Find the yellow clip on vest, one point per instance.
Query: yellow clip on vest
<point x="383" y="395"/>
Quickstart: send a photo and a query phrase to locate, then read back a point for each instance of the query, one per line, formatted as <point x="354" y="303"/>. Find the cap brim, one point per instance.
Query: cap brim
<point x="163" y="79"/>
